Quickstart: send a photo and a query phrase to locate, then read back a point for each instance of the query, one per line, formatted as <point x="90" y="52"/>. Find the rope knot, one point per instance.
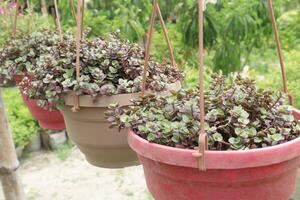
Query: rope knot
<point x="199" y="154"/>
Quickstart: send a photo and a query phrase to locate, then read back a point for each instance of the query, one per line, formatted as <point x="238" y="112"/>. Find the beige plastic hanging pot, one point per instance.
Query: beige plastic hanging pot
<point x="88" y="128"/>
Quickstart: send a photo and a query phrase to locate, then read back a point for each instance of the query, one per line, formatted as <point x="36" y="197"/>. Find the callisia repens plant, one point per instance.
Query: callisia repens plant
<point x="19" y="56"/>
<point x="108" y="66"/>
<point x="238" y="117"/>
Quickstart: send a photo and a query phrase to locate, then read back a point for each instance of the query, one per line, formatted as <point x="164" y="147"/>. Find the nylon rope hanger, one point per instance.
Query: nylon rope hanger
<point x="57" y="18"/>
<point x="155" y="10"/>
<point x="279" y="52"/>
<point x="203" y="141"/>
<point x="72" y="8"/>
<point x="14" y="25"/>
<point x="58" y="24"/>
<point x="71" y="3"/>
<point x="79" y="20"/>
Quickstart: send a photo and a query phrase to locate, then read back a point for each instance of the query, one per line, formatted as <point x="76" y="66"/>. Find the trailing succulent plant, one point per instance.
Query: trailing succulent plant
<point x="18" y="56"/>
<point x="108" y="66"/>
<point x="238" y="117"/>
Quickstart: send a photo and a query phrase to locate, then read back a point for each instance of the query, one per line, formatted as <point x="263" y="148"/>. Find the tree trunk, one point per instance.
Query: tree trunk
<point x="44" y="8"/>
<point x="12" y="187"/>
<point x="9" y="163"/>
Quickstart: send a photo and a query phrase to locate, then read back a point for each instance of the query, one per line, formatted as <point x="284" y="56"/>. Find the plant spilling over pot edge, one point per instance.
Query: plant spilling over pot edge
<point x="108" y="66"/>
<point x="19" y="56"/>
<point x="238" y="117"/>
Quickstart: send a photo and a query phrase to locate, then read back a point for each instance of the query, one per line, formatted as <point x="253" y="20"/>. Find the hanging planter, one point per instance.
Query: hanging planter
<point x="242" y="157"/>
<point x="119" y="68"/>
<point x="105" y="78"/>
<point x="84" y="82"/>
<point x="52" y="120"/>
<point x="246" y="146"/>
<point x="172" y="173"/>
<point x="19" y="57"/>
<point x="89" y="129"/>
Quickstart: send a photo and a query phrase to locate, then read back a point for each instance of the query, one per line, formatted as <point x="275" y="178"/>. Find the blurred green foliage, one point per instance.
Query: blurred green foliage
<point x="290" y="29"/>
<point x="27" y="22"/>
<point x="22" y="124"/>
<point x="269" y="75"/>
<point x="233" y="29"/>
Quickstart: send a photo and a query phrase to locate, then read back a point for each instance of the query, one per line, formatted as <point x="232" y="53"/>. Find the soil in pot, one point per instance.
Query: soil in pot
<point x="264" y="174"/>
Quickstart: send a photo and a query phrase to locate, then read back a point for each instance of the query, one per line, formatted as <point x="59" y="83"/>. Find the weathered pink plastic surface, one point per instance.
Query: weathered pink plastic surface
<point x="263" y="174"/>
<point x="52" y="120"/>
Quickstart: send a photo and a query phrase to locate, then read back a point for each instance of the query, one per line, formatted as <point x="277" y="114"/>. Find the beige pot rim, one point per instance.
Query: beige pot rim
<point x="104" y="101"/>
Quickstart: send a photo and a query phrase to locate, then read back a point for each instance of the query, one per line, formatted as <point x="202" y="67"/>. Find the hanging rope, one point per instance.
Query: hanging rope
<point x="200" y="154"/>
<point x="72" y="8"/>
<point x="202" y="147"/>
<point x="78" y="40"/>
<point x="279" y="51"/>
<point x="14" y="25"/>
<point x="82" y="15"/>
<point x="166" y="35"/>
<point x="155" y="9"/>
<point x="57" y="18"/>
<point x="148" y="46"/>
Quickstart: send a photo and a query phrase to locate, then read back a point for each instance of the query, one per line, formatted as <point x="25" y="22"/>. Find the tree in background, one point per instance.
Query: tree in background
<point x="233" y="28"/>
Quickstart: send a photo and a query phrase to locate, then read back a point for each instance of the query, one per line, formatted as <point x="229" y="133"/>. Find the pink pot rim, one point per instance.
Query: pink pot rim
<point x="217" y="159"/>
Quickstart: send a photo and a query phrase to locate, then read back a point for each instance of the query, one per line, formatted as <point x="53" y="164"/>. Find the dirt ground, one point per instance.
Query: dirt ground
<point x="46" y="177"/>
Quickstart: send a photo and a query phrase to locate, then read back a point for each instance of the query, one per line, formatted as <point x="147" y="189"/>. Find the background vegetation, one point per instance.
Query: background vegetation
<point x="22" y="124"/>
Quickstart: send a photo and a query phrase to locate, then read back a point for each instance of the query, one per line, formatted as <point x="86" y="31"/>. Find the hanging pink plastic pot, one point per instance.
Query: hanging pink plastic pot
<point x="52" y="120"/>
<point x="263" y="174"/>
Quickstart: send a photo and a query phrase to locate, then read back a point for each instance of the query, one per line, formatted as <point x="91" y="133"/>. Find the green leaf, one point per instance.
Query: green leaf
<point x="272" y="130"/>
<point x="217" y="137"/>
<point x="186" y="119"/>
<point x="234" y="141"/>
<point x="288" y="118"/>
<point x="252" y="132"/>
<point x="238" y="131"/>
<point x="124" y="118"/>
<point x="244" y="121"/>
<point x="277" y="137"/>
<point x="258" y="140"/>
<point x="297" y="127"/>
<point x="151" y="137"/>
<point x="142" y="129"/>
<point x="175" y="139"/>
